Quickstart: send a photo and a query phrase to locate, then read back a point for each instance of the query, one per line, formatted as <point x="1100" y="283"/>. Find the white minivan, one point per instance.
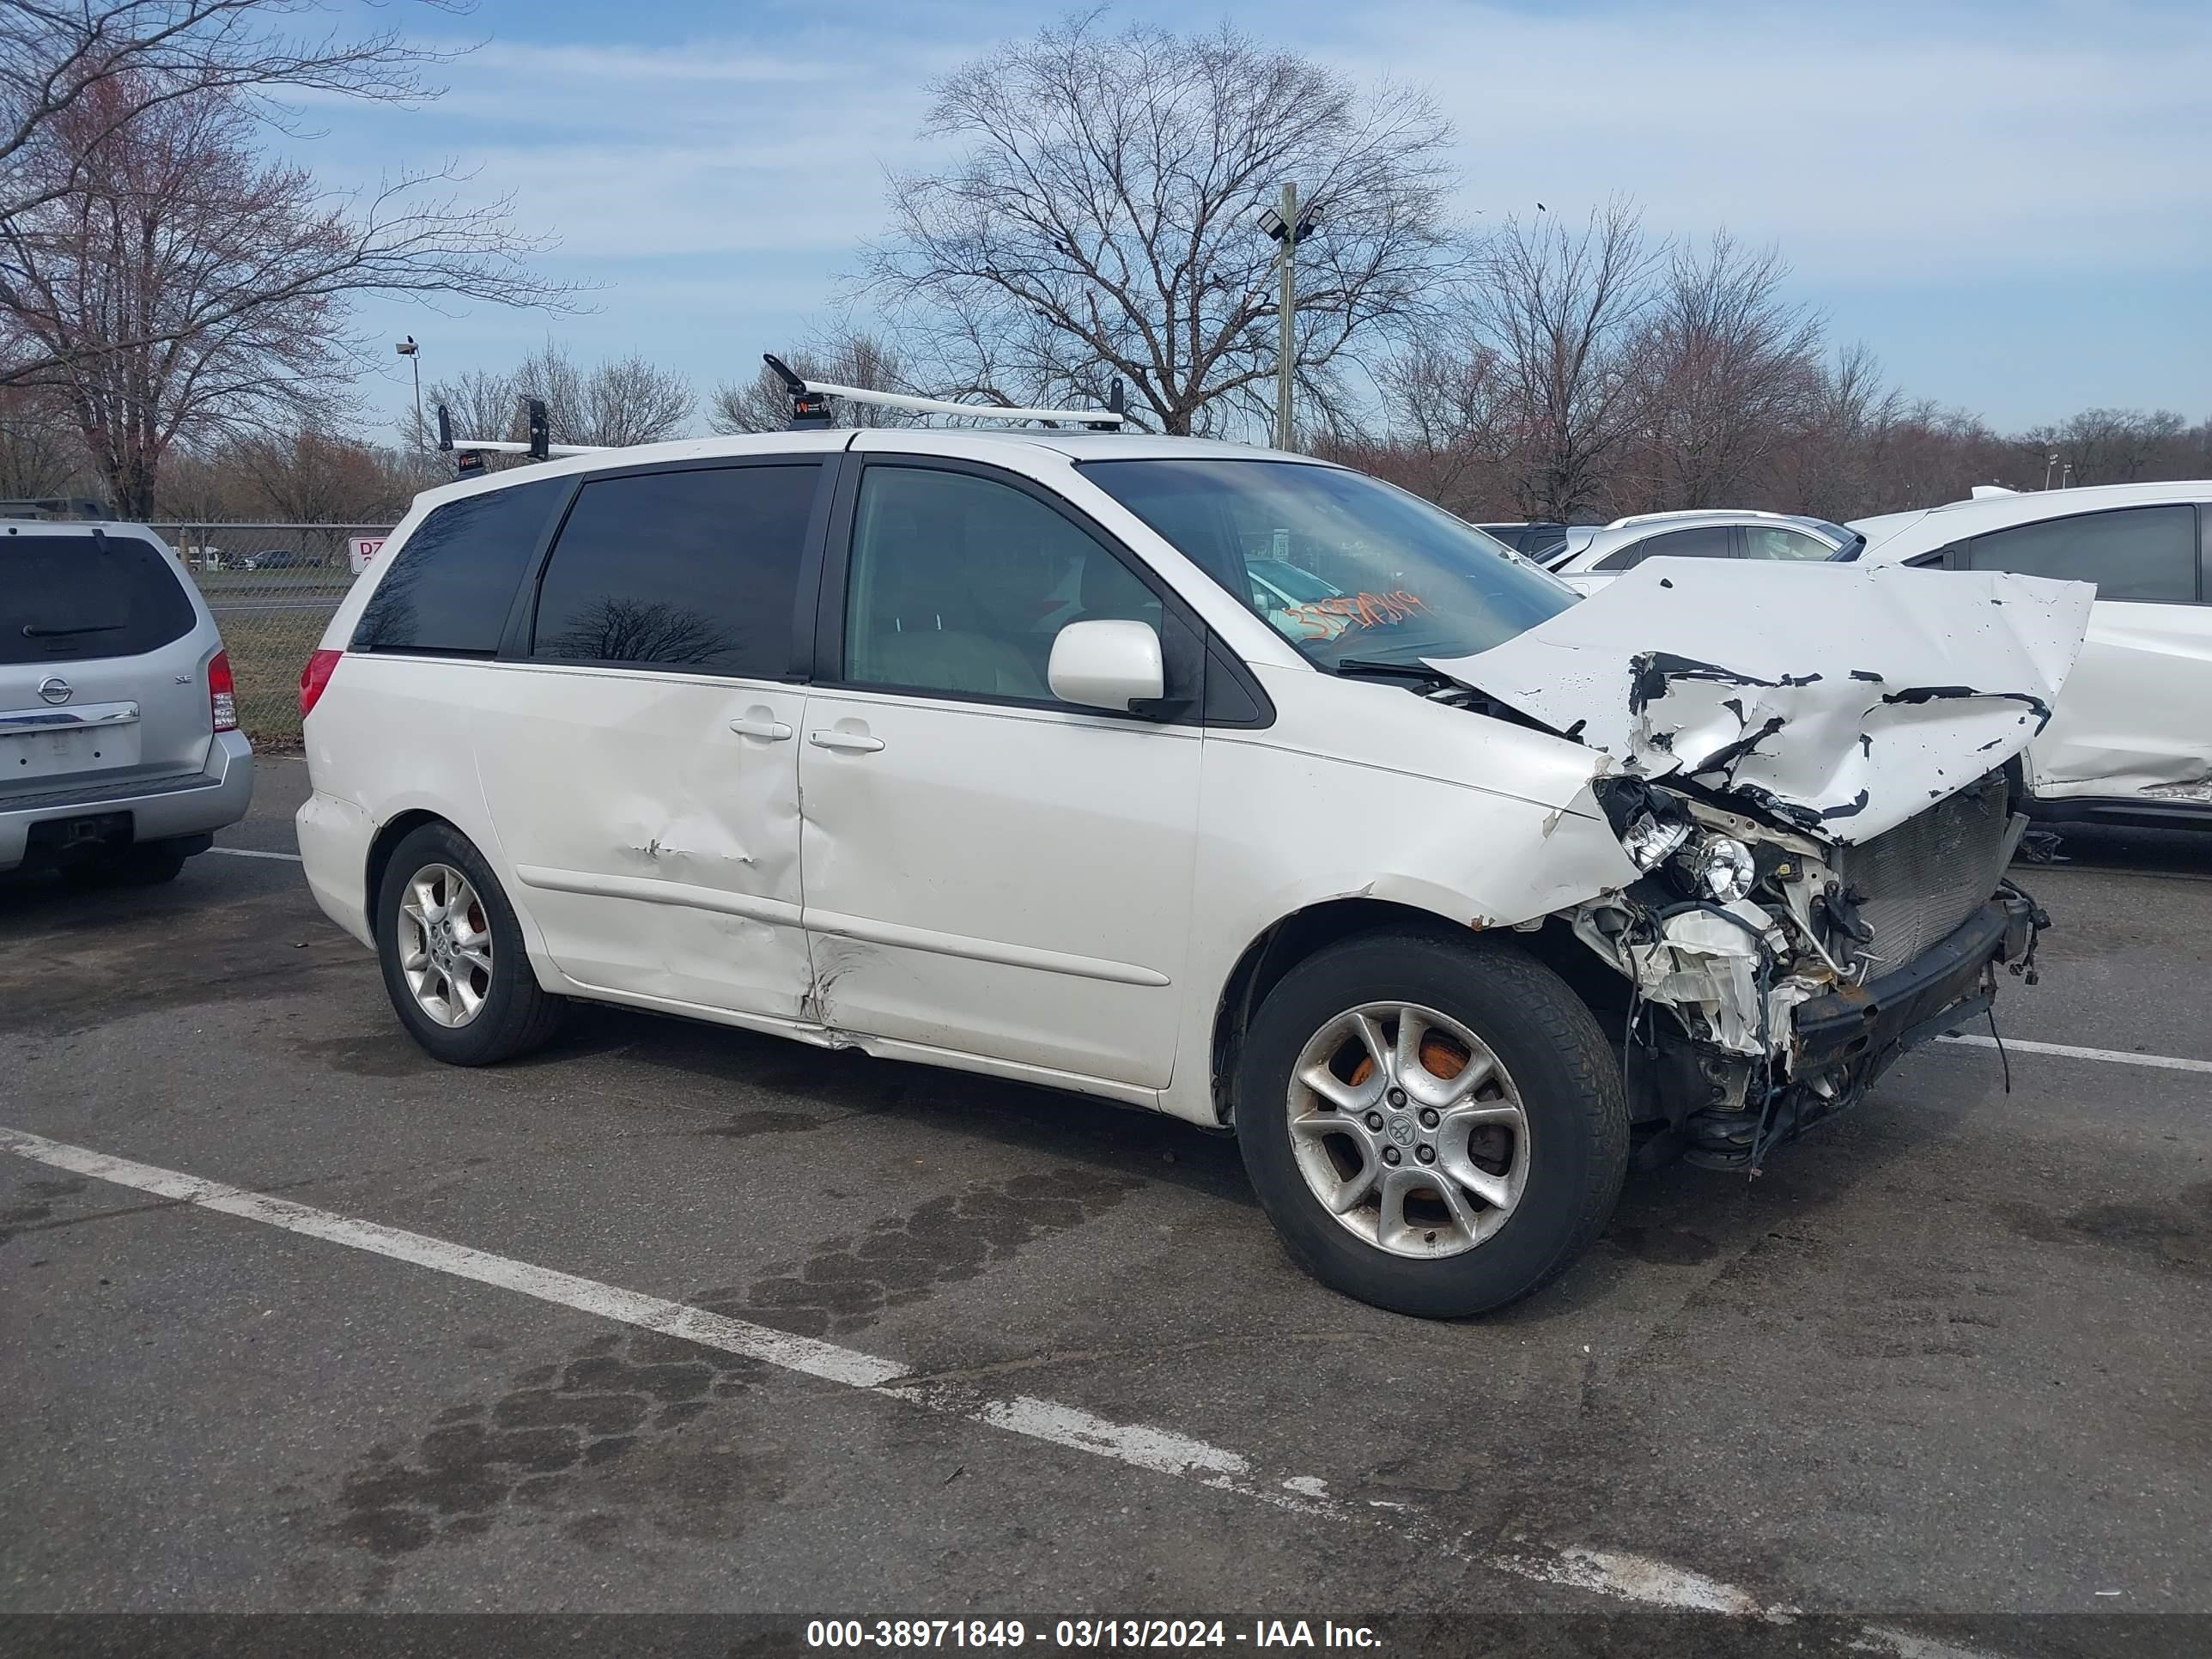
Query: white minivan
<point x="985" y="749"/>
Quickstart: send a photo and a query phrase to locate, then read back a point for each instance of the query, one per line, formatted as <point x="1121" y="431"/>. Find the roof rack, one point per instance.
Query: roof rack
<point x="471" y="451"/>
<point x="809" y="404"/>
<point x="1697" y="513"/>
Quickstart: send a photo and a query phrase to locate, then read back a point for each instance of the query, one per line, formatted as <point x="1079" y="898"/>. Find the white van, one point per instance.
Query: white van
<point x="984" y="749"/>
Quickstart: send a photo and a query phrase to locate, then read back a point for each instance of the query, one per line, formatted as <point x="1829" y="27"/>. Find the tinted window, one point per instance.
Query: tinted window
<point x="961" y="584"/>
<point x="1410" y="580"/>
<point x="2143" y="553"/>
<point x="694" y="570"/>
<point x="449" y="588"/>
<point x="1767" y="541"/>
<point x="1709" y="541"/>
<point x="67" y="598"/>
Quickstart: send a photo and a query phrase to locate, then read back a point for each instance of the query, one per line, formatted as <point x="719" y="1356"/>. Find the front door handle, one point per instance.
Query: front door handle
<point x="774" y="731"/>
<point x="852" y="742"/>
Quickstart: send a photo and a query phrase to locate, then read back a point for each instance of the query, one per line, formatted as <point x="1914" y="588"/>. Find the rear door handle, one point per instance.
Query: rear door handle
<point x="854" y="743"/>
<point x="774" y="731"/>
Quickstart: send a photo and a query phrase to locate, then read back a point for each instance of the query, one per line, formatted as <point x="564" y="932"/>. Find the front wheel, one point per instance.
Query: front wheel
<point x="1435" y="1127"/>
<point x="452" y="955"/>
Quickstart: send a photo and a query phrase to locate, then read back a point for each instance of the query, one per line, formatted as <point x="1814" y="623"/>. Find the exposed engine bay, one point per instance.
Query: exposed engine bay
<point x="1744" y="945"/>
<point x="1808" y="768"/>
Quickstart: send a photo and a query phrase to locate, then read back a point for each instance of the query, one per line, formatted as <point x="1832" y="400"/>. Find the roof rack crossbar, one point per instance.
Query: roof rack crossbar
<point x="807" y="394"/>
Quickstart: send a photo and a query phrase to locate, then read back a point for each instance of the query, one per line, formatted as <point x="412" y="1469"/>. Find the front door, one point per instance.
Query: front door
<point x="989" y="870"/>
<point x="640" y="760"/>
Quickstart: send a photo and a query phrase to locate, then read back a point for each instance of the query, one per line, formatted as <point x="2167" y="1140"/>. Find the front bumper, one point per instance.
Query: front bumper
<point x="1867" y="1026"/>
<point x="1839" y="1043"/>
<point x="157" y="809"/>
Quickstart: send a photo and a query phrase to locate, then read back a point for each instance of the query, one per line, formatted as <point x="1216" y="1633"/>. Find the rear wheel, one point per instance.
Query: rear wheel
<point x="1435" y="1126"/>
<point x="452" y="955"/>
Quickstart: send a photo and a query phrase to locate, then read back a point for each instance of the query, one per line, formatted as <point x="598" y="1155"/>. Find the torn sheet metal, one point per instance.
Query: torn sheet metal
<point x="1840" y="699"/>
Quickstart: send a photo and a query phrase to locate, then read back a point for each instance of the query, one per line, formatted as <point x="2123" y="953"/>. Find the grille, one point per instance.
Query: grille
<point x="1922" y="879"/>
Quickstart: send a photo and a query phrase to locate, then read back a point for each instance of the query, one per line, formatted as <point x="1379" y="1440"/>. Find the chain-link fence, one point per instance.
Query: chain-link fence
<point x="273" y="588"/>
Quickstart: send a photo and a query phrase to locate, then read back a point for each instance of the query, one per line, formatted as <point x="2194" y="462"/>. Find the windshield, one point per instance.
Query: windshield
<point x="1381" y="576"/>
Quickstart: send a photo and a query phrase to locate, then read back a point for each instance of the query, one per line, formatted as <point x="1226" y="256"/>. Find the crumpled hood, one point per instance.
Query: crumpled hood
<point x="1840" y="699"/>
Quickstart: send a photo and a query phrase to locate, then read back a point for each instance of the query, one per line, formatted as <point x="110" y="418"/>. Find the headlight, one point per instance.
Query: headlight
<point x="1724" y="869"/>
<point x="1649" y="843"/>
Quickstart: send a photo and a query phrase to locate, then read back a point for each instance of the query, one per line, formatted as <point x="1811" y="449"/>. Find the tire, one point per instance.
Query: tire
<point x="1551" y="1099"/>
<point x="502" y="1011"/>
<point x="147" y="864"/>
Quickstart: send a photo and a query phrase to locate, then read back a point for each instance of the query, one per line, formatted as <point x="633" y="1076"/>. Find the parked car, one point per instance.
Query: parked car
<point x="282" y="558"/>
<point x="1705" y="533"/>
<point x="2131" y="741"/>
<point x="120" y="754"/>
<point x="799" y="732"/>
<point x="1536" y="540"/>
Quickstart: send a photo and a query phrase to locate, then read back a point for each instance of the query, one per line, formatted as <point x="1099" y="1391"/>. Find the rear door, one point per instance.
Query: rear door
<point x="2135" y="719"/>
<point x="637" y="743"/>
<point x="103" y="662"/>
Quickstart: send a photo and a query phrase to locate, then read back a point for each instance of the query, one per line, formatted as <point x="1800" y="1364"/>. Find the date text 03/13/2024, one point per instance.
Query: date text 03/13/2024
<point x="1086" y="1633"/>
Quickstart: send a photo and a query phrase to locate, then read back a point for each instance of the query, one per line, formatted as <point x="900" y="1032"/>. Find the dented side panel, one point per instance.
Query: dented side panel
<point x="656" y="846"/>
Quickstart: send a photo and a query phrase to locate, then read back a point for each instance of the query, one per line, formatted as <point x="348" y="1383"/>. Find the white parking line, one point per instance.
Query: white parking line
<point x="250" y="852"/>
<point x="1137" y="1445"/>
<point x="2067" y="1051"/>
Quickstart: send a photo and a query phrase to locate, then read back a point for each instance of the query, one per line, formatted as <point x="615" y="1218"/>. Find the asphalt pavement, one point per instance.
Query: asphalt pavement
<point x="709" y="1323"/>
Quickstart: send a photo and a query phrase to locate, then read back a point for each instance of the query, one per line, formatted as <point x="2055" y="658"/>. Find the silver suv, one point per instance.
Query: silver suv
<point x="119" y="749"/>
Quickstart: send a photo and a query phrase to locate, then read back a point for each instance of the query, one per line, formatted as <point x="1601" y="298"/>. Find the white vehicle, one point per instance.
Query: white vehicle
<point x="1589" y="560"/>
<point x="2132" y="742"/>
<point x="797" y="732"/>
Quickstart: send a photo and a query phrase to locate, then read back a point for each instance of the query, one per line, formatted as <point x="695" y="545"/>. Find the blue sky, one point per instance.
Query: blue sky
<point x="2011" y="205"/>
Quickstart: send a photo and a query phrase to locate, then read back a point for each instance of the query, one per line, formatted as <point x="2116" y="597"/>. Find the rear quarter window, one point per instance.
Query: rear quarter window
<point x="67" y="599"/>
<point x="450" y="586"/>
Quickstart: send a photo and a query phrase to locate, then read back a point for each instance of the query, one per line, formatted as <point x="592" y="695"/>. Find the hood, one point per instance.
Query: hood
<point x="1840" y="699"/>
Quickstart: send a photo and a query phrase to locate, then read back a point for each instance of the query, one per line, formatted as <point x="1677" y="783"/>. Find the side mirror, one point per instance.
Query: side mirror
<point x="1107" y="665"/>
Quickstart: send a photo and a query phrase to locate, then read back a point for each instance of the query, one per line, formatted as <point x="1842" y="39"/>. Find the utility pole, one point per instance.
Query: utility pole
<point x="408" y="348"/>
<point x="1286" y="347"/>
<point x="1290" y="227"/>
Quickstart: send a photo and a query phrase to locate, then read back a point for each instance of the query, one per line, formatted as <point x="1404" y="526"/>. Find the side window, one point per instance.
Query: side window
<point x="2141" y="553"/>
<point x="696" y="570"/>
<point x="1709" y="541"/>
<point x="449" y="588"/>
<point x="960" y="584"/>
<point x="1764" y="541"/>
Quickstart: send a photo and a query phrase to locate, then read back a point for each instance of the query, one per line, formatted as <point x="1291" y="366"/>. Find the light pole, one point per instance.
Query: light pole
<point x="1289" y="227"/>
<point x="407" y="349"/>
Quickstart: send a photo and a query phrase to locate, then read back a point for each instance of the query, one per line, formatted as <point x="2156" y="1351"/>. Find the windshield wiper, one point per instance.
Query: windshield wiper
<point x="33" y="631"/>
<point x="1375" y="667"/>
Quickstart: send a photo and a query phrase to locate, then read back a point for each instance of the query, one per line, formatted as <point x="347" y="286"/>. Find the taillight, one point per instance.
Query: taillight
<point x="313" y="678"/>
<point x="222" y="693"/>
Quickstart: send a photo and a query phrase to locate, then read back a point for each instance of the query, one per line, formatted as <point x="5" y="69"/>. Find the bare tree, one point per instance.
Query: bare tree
<point x="38" y="456"/>
<point x="182" y="285"/>
<point x="1728" y="372"/>
<point x="189" y="238"/>
<point x="55" y="54"/>
<point x="1454" y="435"/>
<point x="1562" y="309"/>
<point x="849" y="357"/>
<point x="1100" y="220"/>
<point x="2111" y="446"/>
<point x="314" y="477"/>
<point x="624" y="400"/>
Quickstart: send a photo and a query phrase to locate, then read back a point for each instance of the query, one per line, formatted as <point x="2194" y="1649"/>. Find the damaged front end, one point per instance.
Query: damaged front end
<point x="1772" y="978"/>
<point x="1809" y="768"/>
